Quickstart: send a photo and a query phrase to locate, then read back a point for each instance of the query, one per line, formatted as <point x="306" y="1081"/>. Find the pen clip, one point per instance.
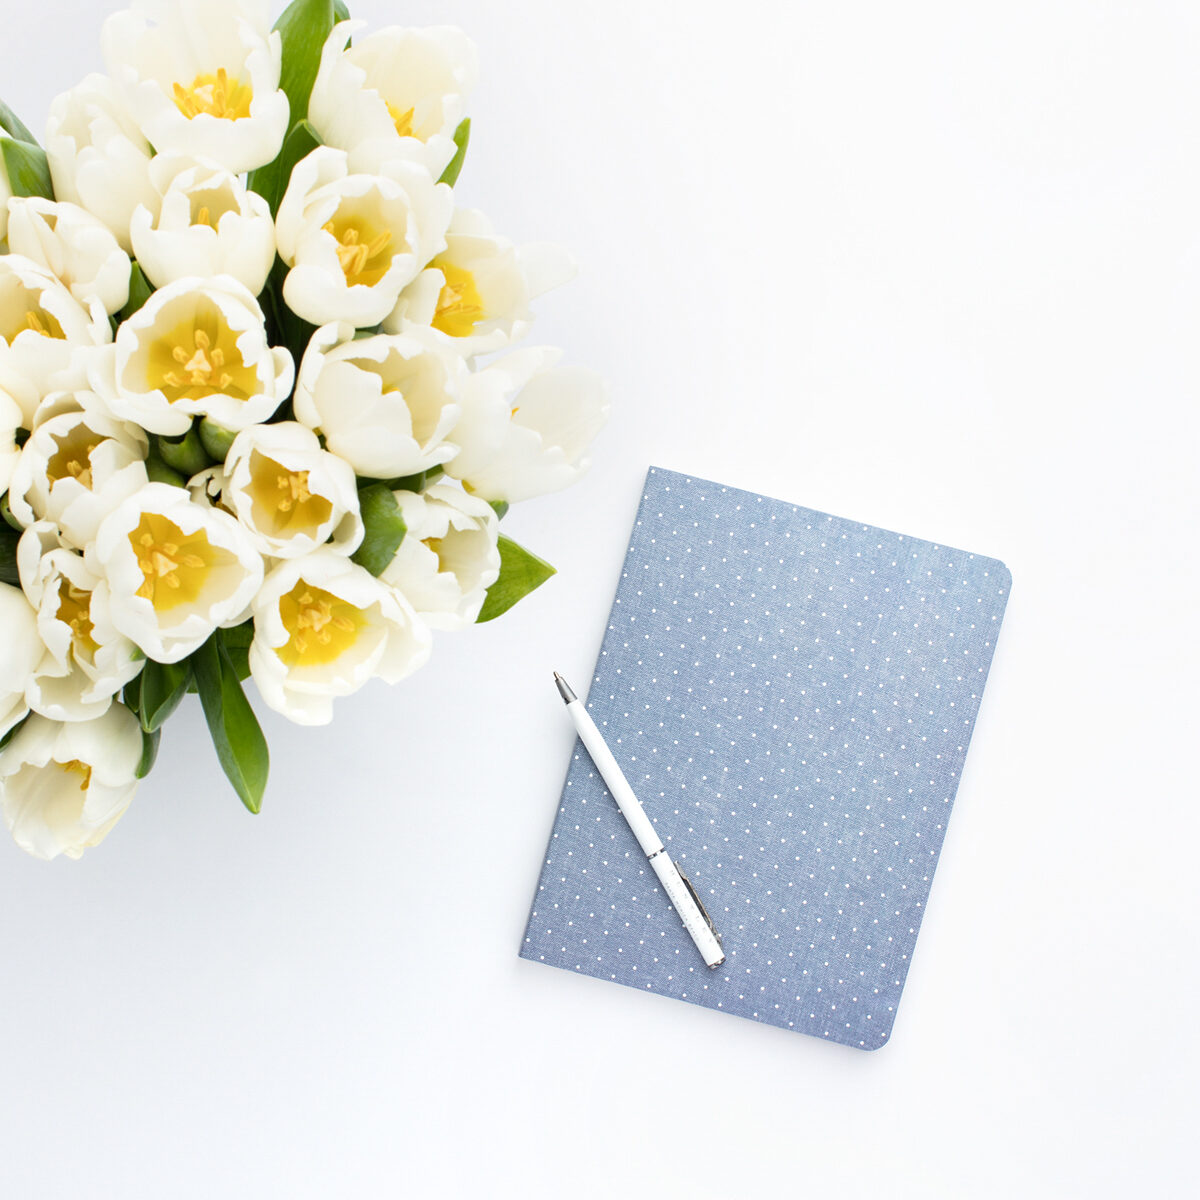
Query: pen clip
<point x="687" y="883"/>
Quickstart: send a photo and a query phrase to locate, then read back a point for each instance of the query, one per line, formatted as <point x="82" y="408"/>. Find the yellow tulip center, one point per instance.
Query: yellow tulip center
<point x="72" y="458"/>
<point x="282" y="500"/>
<point x="175" y="565"/>
<point x="75" y="610"/>
<point x="320" y="625"/>
<point x="200" y="358"/>
<point x="402" y="120"/>
<point x="79" y="769"/>
<point x="35" y="319"/>
<point x="459" y="305"/>
<point x="215" y="96"/>
<point x="361" y="251"/>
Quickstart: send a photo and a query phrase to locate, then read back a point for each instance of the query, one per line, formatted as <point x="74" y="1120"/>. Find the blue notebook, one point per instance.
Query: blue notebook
<point x="791" y="696"/>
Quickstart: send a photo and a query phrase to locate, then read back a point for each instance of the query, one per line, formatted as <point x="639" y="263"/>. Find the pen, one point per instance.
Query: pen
<point x="675" y="883"/>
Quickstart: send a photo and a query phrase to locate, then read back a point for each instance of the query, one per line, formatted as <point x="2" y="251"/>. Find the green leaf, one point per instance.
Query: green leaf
<point x="163" y="686"/>
<point x="385" y="528"/>
<point x="520" y="573"/>
<point x="236" y="734"/>
<point x="12" y="733"/>
<point x="8" y="556"/>
<point x="462" y="136"/>
<point x="500" y="508"/>
<point x="150" y="743"/>
<point x="132" y="695"/>
<point x="6" y="514"/>
<point x="271" y="181"/>
<point x="413" y="483"/>
<point x="13" y="126"/>
<point x="215" y="440"/>
<point x="140" y="290"/>
<point x="303" y="26"/>
<point x="159" y="472"/>
<point x="237" y="643"/>
<point x="185" y="455"/>
<point x="340" y="11"/>
<point x="27" y="169"/>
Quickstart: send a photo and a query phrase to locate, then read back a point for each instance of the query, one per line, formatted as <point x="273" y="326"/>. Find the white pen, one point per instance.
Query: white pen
<point x="675" y="883"/>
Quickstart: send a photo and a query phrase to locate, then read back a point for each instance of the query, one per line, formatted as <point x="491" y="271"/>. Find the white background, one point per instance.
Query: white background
<point x="931" y="266"/>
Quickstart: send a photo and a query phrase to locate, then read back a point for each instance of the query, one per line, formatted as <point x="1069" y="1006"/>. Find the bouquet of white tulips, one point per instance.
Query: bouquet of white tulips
<point x="247" y="424"/>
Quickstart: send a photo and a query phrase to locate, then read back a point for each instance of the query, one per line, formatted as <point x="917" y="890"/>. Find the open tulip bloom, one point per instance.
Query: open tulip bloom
<point x="246" y="428"/>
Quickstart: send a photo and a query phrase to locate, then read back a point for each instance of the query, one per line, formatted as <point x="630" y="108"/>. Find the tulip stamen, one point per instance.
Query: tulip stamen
<point x="322" y="626"/>
<point x="214" y="96"/>
<point x="72" y="458"/>
<point x="174" y="565"/>
<point x="202" y="365"/>
<point x="459" y="304"/>
<point x="355" y="255"/>
<point x="75" y="611"/>
<point x="403" y="121"/>
<point x="75" y="767"/>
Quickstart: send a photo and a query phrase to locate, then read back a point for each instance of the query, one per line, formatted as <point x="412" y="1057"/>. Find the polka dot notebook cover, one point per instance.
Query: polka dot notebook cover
<point x="791" y="696"/>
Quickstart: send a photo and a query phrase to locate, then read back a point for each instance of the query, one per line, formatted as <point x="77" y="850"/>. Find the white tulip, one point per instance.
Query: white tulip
<point x="46" y="335"/>
<point x="354" y="241"/>
<point x="395" y="94"/>
<point x="176" y="570"/>
<point x="75" y="469"/>
<point x="208" y="223"/>
<point x="323" y="626"/>
<point x="526" y="426"/>
<point x="20" y="650"/>
<point x="75" y="247"/>
<point x="86" y="661"/>
<point x="289" y="493"/>
<point x="449" y="556"/>
<point x="478" y="290"/>
<point x="10" y="453"/>
<point x="64" y="786"/>
<point x="5" y="196"/>
<point x="385" y="404"/>
<point x="98" y="156"/>
<point x="208" y="488"/>
<point x="196" y="347"/>
<point x="201" y="78"/>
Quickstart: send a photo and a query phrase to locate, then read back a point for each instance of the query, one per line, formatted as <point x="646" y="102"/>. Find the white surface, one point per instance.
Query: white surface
<point x="932" y="266"/>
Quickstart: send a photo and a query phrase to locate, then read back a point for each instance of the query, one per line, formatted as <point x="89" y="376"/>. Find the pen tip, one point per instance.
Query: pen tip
<point x="564" y="689"/>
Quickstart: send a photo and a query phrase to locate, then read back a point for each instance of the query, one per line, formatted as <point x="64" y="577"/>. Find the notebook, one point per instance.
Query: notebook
<point x="791" y="695"/>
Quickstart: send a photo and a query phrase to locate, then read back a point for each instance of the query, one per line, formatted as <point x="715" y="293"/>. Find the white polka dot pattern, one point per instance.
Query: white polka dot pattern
<point x="791" y="696"/>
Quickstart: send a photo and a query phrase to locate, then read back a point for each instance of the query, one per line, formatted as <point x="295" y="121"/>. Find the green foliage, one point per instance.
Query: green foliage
<point x="6" y="514"/>
<point x="303" y="28"/>
<point x="520" y="573"/>
<point x="163" y="686"/>
<point x="26" y="167"/>
<point x="237" y="643"/>
<point x="340" y="11"/>
<point x="215" y="440"/>
<point x="13" y="126"/>
<point x="271" y="181"/>
<point x="140" y="290"/>
<point x="185" y="455"/>
<point x="159" y="472"/>
<point x="385" y="528"/>
<point x="462" y="137"/>
<point x="236" y="734"/>
<point x="9" y="538"/>
<point x="413" y="483"/>
<point x="12" y="733"/>
<point x="500" y="508"/>
<point x="150" y="742"/>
